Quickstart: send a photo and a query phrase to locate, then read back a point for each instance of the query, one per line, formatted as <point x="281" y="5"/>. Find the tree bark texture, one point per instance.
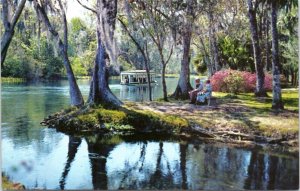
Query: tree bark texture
<point x="107" y="11"/>
<point x="184" y="86"/>
<point x="163" y="71"/>
<point x="75" y="94"/>
<point x="9" y="26"/>
<point x="99" y="89"/>
<point x="259" y="91"/>
<point x="215" y="66"/>
<point x="276" y="100"/>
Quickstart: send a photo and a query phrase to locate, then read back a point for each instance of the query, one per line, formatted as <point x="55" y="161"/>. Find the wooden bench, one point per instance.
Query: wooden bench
<point x="211" y="101"/>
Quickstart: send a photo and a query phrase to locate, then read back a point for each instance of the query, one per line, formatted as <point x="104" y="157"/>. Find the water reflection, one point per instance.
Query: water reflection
<point x="122" y="163"/>
<point x="74" y="143"/>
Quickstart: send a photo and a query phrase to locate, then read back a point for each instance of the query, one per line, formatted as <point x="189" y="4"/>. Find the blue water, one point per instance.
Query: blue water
<point x="42" y="158"/>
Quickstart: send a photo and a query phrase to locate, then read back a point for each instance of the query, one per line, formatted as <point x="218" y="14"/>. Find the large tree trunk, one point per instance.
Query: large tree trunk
<point x="9" y="26"/>
<point x="75" y="94"/>
<point x="213" y="46"/>
<point x="163" y="81"/>
<point x="147" y="67"/>
<point x="259" y="91"/>
<point x="276" y="100"/>
<point x="99" y="89"/>
<point x="184" y="86"/>
<point x="163" y="72"/>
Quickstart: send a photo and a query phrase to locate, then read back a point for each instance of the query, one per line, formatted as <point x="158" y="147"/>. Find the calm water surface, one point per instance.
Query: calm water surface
<point x="45" y="159"/>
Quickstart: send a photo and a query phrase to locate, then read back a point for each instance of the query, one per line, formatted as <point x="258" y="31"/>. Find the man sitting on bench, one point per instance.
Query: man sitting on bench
<point x="193" y="93"/>
<point x="205" y="94"/>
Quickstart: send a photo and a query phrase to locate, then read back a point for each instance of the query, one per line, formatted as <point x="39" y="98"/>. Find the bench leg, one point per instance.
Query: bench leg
<point x="208" y="101"/>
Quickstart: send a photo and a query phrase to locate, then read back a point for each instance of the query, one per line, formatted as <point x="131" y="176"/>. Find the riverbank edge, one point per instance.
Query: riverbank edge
<point x="126" y="119"/>
<point x="9" y="185"/>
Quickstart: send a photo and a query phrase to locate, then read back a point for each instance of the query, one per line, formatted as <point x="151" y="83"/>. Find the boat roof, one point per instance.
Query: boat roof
<point x="135" y="72"/>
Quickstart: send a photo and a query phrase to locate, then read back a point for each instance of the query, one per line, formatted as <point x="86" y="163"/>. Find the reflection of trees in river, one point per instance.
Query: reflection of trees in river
<point x="266" y="172"/>
<point x="74" y="143"/>
<point x="116" y="164"/>
<point x="99" y="148"/>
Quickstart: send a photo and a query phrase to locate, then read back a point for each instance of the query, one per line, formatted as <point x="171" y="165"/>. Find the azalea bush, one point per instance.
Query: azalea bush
<point x="234" y="81"/>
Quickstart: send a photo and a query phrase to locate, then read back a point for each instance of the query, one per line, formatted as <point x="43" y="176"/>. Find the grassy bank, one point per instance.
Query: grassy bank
<point x="239" y="117"/>
<point x="242" y="117"/>
<point x="8" y="185"/>
<point x="105" y="120"/>
<point x="12" y="80"/>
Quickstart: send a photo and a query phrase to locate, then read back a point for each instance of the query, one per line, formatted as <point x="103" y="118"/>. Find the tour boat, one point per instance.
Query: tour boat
<point x="136" y="77"/>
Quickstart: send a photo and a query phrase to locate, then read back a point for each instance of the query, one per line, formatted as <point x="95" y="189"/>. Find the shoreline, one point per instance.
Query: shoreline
<point x="230" y="121"/>
<point x="9" y="185"/>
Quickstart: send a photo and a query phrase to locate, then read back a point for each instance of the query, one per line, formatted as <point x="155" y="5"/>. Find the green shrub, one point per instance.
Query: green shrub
<point x="89" y="120"/>
<point x="111" y="116"/>
<point x="234" y="82"/>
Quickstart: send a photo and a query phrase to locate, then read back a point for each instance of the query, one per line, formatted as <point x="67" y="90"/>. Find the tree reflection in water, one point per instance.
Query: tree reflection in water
<point x="125" y="162"/>
<point x="74" y="143"/>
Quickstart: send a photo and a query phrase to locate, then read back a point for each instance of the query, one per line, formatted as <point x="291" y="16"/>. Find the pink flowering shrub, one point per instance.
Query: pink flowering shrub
<point x="234" y="81"/>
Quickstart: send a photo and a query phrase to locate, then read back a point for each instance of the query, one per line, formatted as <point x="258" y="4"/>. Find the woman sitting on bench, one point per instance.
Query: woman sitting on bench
<point x="205" y="94"/>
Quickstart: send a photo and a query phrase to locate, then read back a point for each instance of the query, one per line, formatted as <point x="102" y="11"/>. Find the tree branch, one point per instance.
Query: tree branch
<point x="171" y="52"/>
<point x="132" y="38"/>
<point x="5" y="14"/>
<point x="65" y="26"/>
<point x="17" y="13"/>
<point x="86" y="7"/>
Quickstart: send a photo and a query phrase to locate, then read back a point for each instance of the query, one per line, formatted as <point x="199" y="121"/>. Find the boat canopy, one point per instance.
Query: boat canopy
<point x="136" y="77"/>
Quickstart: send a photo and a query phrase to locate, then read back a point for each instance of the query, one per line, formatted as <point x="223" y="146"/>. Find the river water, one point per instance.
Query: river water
<point x="42" y="158"/>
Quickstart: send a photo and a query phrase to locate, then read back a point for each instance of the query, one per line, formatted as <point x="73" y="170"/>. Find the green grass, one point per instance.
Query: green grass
<point x="123" y="119"/>
<point x="290" y="98"/>
<point x="8" y="185"/>
<point x="12" y="80"/>
<point x="259" y="116"/>
<point x="244" y="113"/>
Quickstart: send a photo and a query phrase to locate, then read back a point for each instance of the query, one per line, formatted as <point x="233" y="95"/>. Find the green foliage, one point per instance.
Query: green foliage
<point x="122" y="119"/>
<point x="234" y="82"/>
<point x="78" y="67"/>
<point x="77" y="25"/>
<point x="236" y="53"/>
<point x="88" y="120"/>
<point x="200" y="63"/>
<point x="111" y="116"/>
